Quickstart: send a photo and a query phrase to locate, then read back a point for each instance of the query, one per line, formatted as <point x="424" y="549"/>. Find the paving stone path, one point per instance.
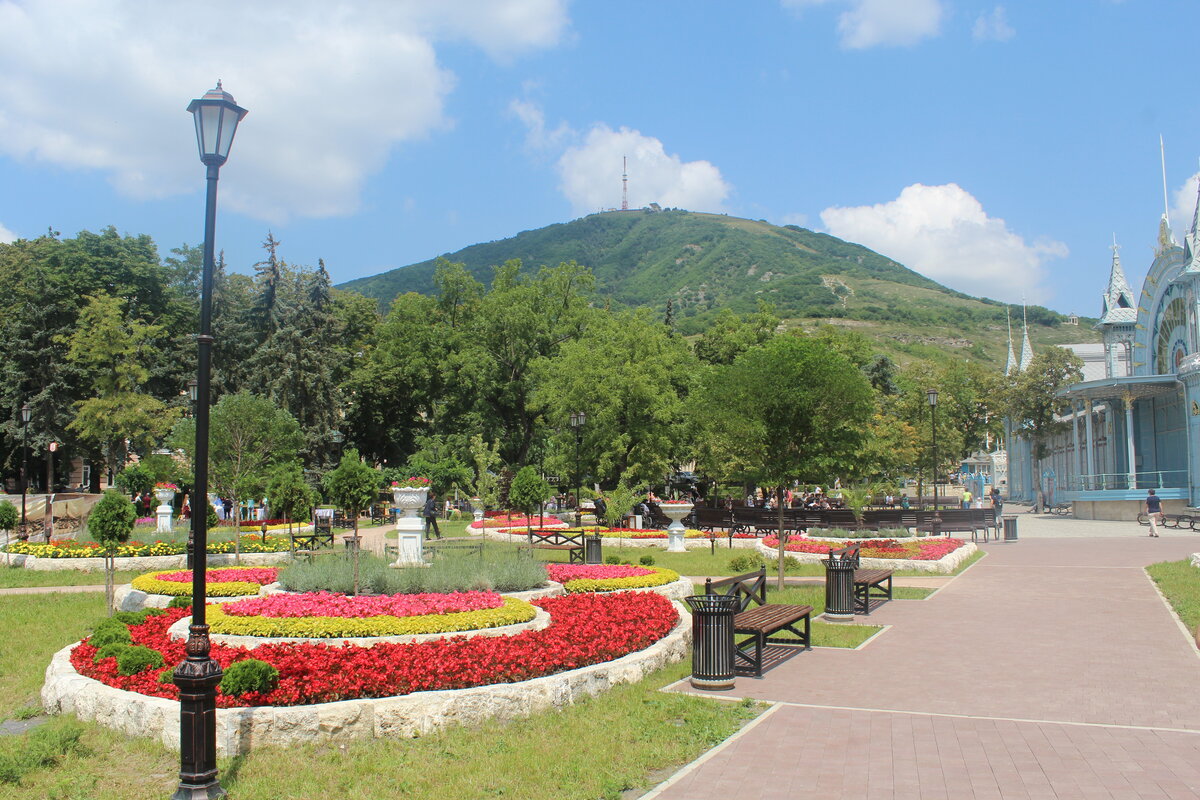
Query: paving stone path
<point x="1050" y="669"/>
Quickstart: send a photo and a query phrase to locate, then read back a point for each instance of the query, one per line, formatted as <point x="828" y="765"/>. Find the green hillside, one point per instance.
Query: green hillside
<point x="704" y="262"/>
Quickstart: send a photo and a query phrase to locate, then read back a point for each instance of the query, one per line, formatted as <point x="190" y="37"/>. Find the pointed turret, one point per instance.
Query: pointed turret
<point x="1026" y="349"/>
<point x="1191" y="242"/>
<point x="1119" y="307"/>
<point x="1011" y="364"/>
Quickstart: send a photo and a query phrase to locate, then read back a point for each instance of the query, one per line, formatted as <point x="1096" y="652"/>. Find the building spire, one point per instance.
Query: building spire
<point x="1166" y="239"/>
<point x="1011" y="364"/>
<point x="1118" y="306"/>
<point x="1026" y="349"/>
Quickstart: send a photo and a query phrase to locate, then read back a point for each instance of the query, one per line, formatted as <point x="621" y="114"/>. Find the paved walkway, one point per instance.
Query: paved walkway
<point x="1049" y="669"/>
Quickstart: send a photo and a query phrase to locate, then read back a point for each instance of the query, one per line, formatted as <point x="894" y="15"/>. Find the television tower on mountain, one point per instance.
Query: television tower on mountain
<point x="624" y="183"/>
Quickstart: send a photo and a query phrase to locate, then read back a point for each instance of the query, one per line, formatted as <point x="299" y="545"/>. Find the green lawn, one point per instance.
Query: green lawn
<point x="629" y="737"/>
<point x="1179" y="581"/>
<point x="13" y="577"/>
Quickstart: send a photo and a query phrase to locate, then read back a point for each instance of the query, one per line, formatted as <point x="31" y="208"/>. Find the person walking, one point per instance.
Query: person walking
<point x="601" y="508"/>
<point x="431" y="515"/>
<point x="997" y="501"/>
<point x="966" y="498"/>
<point x="1153" y="511"/>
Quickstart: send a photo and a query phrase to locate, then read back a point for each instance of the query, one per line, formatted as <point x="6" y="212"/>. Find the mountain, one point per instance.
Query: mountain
<point x="704" y="262"/>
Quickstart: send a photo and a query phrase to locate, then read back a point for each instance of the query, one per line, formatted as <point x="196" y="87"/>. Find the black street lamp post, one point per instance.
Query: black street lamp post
<point x="216" y="116"/>
<point x="578" y="420"/>
<point x="932" y="395"/>
<point x="337" y="437"/>
<point x="26" y="412"/>
<point x="193" y="388"/>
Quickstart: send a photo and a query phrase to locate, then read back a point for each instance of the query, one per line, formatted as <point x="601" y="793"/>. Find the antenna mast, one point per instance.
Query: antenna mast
<point x="625" y="183"/>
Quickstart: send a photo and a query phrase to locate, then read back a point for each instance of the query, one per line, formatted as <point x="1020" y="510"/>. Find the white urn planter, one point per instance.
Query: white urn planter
<point x="164" y="510"/>
<point x="675" y="532"/>
<point x="477" y="508"/>
<point x="410" y="527"/>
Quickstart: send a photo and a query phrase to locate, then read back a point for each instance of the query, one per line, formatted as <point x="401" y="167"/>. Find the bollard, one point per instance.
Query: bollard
<point x="712" y="640"/>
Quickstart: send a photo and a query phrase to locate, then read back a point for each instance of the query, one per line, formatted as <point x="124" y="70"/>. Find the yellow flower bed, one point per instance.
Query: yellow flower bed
<point x="661" y="577"/>
<point x="150" y="584"/>
<point x="513" y="611"/>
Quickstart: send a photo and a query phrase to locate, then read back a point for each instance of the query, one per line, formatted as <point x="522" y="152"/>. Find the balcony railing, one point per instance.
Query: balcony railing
<point x="1161" y="479"/>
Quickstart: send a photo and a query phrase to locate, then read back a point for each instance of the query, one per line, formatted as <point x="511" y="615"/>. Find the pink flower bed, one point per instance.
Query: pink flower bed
<point x="328" y="604"/>
<point x="913" y="550"/>
<point x="569" y="572"/>
<point x="260" y="575"/>
<point x="518" y="522"/>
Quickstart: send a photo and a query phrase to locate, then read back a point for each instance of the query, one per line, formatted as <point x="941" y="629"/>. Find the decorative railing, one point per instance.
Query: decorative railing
<point x="1160" y="479"/>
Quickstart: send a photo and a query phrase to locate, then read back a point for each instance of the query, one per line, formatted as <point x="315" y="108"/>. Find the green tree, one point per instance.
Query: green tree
<point x="110" y="346"/>
<point x="790" y="409"/>
<point x="353" y="486"/>
<point x="1032" y="402"/>
<point x="730" y="335"/>
<point x="249" y="436"/>
<point x="8" y="523"/>
<point x="110" y="523"/>
<point x="485" y="460"/>
<point x="135" y="479"/>
<point x="527" y="493"/>
<point x="289" y="494"/>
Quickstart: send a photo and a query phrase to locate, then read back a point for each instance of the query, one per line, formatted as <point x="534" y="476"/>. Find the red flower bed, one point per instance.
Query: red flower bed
<point x="507" y="521"/>
<point x="328" y="604"/>
<point x="914" y="550"/>
<point x="260" y="575"/>
<point x="569" y="572"/>
<point x="584" y="629"/>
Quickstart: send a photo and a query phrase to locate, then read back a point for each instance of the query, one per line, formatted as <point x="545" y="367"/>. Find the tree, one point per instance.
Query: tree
<point x="110" y="523"/>
<point x="730" y="335"/>
<point x="8" y="523"/>
<point x="289" y="494"/>
<point x="1032" y="402"/>
<point x="527" y="493"/>
<point x="135" y="479"/>
<point x="353" y="485"/>
<point x="248" y="437"/>
<point x="485" y="459"/>
<point x="790" y="409"/>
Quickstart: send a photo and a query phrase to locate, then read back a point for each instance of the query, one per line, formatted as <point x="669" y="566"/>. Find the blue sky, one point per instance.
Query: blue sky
<point x="996" y="148"/>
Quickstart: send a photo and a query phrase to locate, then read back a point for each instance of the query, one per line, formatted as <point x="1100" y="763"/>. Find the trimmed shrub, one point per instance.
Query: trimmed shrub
<point x="110" y="650"/>
<point x="109" y="634"/>
<point x="250" y="675"/>
<point x="135" y="659"/>
<point x="180" y="602"/>
<point x="166" y="676"/>
<point x="612" y="560"/>
<point x="646" y="560"/>
<point x="747" y="562"/>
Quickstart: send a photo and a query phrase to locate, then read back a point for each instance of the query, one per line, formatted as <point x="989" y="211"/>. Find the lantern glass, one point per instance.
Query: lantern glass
<point x="216" y="116"/>
<point x="26" y="413"/>
<point x="932" y="396"/>
<point x="193" y="390"/>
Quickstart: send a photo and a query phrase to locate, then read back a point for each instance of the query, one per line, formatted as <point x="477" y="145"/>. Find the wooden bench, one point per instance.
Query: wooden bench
<point x="865" y="580"/>
<point x="765" y="619"/>
<point x="558" y="540"/>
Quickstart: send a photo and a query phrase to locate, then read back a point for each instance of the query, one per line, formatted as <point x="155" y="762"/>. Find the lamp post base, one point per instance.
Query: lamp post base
<point x="197" y="678"/>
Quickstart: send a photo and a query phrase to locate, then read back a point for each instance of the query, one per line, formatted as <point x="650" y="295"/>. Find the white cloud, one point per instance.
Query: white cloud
<point x="944" y="233"/>
<point x="868" y="23"/>
<point x="591" y="174"/>
<point x="1183" y="207"/>
<point x="537" y="137"/>
<point x="993" y="27"/>
<point x="331" y="88"/>
<point x="6" y="235"/>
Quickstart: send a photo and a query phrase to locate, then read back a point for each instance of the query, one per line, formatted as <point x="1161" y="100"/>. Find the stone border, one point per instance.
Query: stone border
<point x="541" y="619"/>
<point x="127" y="598"/>
<point x="145" y="563"/>
<point x="1196" y="561"/>
<point x="241" y="729"/>
<point x="943" y="566"/>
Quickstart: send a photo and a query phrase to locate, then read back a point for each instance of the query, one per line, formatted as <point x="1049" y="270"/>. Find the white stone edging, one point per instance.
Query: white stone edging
<point x="943" y="566"/>
<point x="145" y="563"/>
<point x="240" y="729"/>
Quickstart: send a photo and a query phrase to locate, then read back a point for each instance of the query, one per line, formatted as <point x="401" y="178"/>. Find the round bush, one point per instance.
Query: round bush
<point x="646" y="560"/>
<point x="250" y="675"/>
<point x="180" y="602"/>
<point x="109" y="634"/>
<point x="135" y="659"/>
<point x="746" y="562"/>
<point x="166" y="676"/>
<point x="110" y="650"/>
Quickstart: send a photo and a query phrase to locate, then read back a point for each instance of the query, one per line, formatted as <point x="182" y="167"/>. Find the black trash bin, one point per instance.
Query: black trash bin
<point x="592" y="545"/>
<point x="1010" y="528"/>
<point x="352" y="542"/>
<point x="839" y="589"/>
<point x="712" y="640"/>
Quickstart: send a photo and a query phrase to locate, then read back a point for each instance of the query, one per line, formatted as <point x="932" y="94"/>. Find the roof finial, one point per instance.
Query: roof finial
<point x="218" y="84"/>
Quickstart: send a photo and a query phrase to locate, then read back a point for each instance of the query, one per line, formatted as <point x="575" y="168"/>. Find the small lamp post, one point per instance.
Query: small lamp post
<point x="193" y="388"/>
<point x="578" y="420"/>
<point x="216" y="116"/>
<point x="337" y="437"/>
<point x="26" y="413"/>
<point x="932" y="395"/>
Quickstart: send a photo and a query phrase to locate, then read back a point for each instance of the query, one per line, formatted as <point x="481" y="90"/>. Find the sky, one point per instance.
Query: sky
<point x="997" y="148"/>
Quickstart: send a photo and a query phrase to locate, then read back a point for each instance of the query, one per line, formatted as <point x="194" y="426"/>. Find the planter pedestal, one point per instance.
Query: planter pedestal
<point x="675" y="532"/>
<point x="410" y="527"/>
<point x="164" y="511"/>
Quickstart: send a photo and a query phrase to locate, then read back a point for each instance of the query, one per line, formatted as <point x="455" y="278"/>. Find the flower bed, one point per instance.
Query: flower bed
<point x="507" y="521"/>
<point x="230" y="582"/>
<point x="577" y="578"/>
<point x="333" y="604"/>
<point x="911" y="550"/>
<point x="584" y="629"/>
<point x="508" y="611"/>
<point x="135" y="549"/>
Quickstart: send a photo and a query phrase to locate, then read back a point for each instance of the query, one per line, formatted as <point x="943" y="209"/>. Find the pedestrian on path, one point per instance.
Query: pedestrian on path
<point x="1153" y="511"/>
<point x="431" y="516"/>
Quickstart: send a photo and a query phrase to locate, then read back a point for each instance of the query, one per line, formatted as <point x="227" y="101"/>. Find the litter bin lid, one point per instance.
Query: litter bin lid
<point x="712" y="603"/>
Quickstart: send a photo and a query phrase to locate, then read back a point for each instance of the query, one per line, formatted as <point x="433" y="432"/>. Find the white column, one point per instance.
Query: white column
<point x="1130" y="451"/>
<point x="1091" y="440"/>
<point x="1075" y="434"/>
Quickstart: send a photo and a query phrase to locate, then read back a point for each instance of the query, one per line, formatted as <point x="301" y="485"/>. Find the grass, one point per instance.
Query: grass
<point x="43" y="747"/>
<point x="1177" y="580"/>
<point x="624" y="739"/>
<point x="19" y="577"/>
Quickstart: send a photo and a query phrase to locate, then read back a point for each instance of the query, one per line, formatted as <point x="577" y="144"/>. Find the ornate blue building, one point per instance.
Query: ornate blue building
<point x="1135" y="418"/>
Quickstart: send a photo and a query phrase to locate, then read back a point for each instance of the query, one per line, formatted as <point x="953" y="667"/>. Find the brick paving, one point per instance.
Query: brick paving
<point x="1050" y="669"/>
